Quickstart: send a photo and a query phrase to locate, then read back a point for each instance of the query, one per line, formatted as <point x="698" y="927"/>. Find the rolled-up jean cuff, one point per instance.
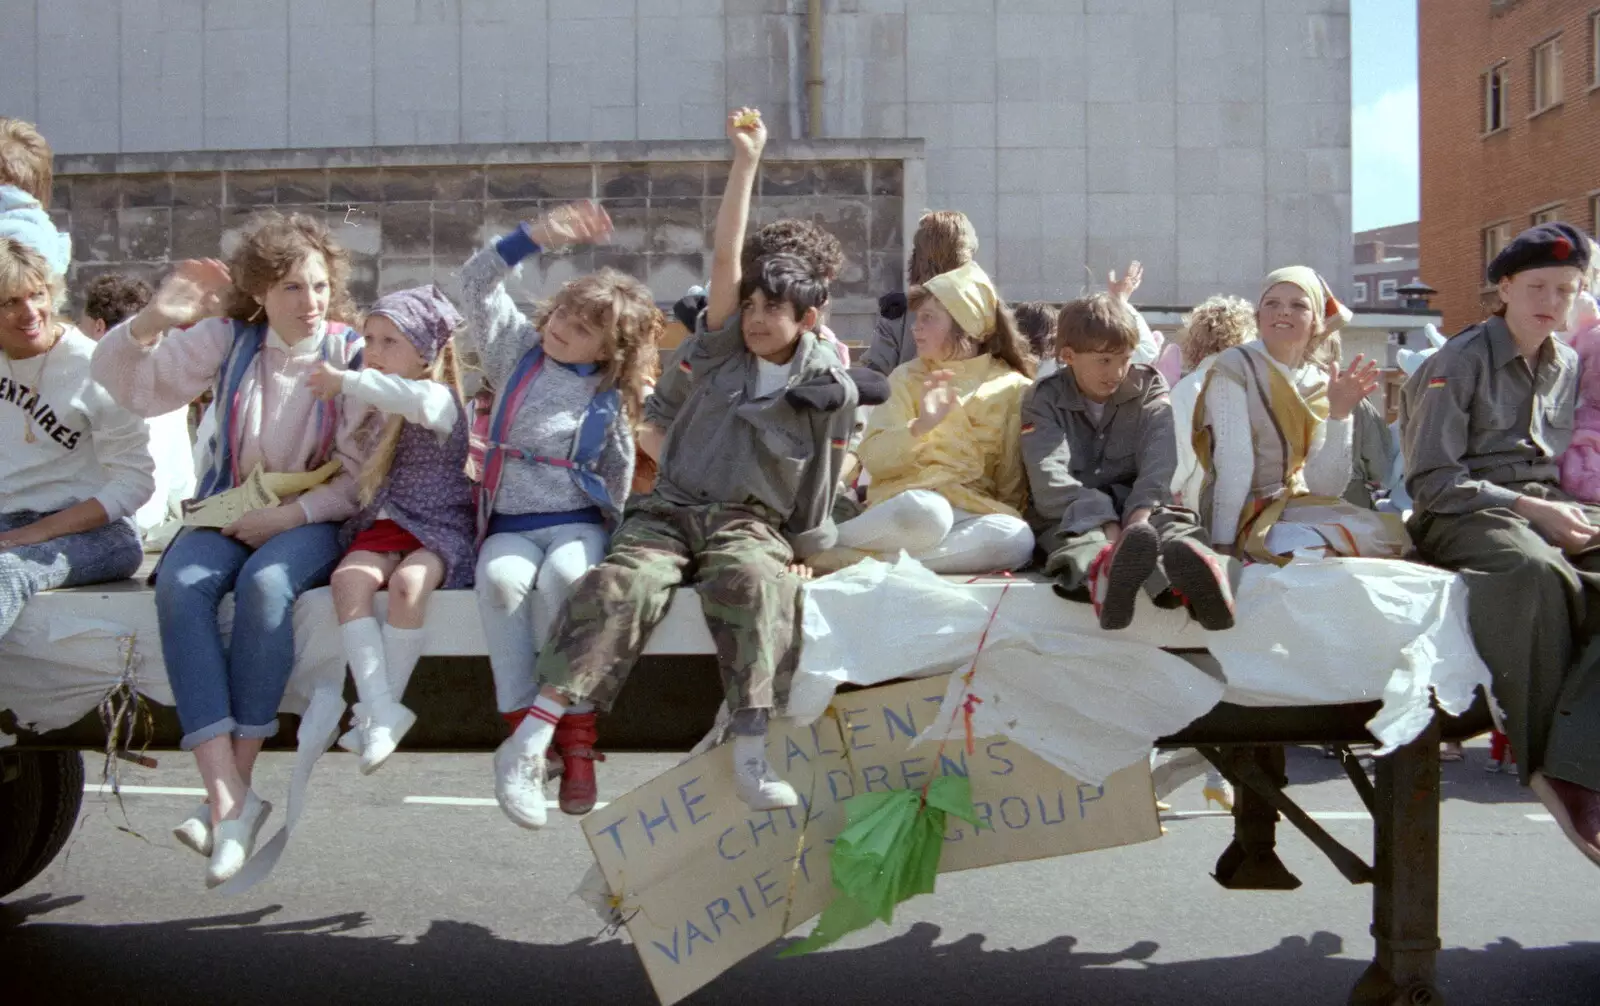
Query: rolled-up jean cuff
<point x="256" y="733"/>
<point x="194" y="738"/>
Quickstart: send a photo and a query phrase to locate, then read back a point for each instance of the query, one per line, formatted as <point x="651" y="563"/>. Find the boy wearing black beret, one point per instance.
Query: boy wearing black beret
<point x="1484" y="420"/>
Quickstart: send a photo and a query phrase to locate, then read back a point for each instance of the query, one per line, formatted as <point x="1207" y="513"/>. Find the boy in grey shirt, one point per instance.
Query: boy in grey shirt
<point x="1097" y="439"/>
<point x="756" y="412"/>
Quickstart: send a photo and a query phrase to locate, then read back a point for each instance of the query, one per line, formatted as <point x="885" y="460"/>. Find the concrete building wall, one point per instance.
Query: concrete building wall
<point x="1209" y="138"/>
<point x="1472" y="179"/>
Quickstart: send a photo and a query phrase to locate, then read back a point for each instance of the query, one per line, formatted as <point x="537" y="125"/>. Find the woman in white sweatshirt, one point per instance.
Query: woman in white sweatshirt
<point x="74" y="465"/>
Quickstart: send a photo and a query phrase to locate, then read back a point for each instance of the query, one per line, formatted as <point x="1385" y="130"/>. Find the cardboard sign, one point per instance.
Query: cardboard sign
<point x="703" y="882"/>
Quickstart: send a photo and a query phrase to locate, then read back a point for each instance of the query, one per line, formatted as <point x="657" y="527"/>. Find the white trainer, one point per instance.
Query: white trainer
<point x="760" y="788"/>
<point x="520" y="774"/>
<point x="382" y="728"/>
<point x="195" y="830"/>
<point x="235" y="840"/>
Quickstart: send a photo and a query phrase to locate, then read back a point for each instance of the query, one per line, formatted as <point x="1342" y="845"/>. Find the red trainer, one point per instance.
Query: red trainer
<point x="575" y="740"/>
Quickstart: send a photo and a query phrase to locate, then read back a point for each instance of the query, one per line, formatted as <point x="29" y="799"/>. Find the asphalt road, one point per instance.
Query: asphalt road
<point x="388" y="898"/>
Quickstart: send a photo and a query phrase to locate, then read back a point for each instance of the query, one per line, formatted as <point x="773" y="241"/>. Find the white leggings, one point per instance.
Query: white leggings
<point x="523" y="580"/>
<point x="942" y="538"/>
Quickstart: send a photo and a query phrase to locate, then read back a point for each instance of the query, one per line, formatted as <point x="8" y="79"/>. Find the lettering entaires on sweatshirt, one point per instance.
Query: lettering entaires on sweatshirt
<point x="85" y="446"/>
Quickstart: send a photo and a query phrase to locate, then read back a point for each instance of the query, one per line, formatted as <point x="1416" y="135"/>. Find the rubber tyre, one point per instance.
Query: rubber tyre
<point x="38" y="810"/>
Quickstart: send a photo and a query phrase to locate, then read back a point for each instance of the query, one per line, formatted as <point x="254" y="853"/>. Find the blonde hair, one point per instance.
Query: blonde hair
<point x="446" y="371"/>
<point x="23" y="269"/>
<point x="274" y="244"/>
<point x="1005" y="343"/>
<point x="621" y="307"/>
<point x="25" y="159"/>
<point x="1217" y="323"/>
<point x="945" y="240"/>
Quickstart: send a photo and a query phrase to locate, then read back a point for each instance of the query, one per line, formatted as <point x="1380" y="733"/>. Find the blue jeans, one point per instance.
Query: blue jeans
<point x="108" y="552"/>
<point x="236" y="691"/>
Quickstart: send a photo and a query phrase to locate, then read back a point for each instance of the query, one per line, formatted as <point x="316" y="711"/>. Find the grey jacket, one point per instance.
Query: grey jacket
<point x="1084" y="474"/>
<point x="724" y="445"/>
<point x="1477" y="419"/>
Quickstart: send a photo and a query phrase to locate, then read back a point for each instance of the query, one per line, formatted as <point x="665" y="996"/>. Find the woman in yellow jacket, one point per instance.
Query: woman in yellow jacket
<point x="948" y="485"/>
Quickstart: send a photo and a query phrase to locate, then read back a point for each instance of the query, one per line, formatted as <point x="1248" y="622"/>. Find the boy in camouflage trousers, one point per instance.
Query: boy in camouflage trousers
<point x="757" y="411"/>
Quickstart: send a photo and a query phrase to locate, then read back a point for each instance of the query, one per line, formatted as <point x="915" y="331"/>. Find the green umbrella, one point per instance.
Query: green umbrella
<point x="888" y="852"/>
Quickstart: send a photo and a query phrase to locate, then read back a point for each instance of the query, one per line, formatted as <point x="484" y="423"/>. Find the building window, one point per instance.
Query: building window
<point x="1496" y="100"/>
<point x="1594" y="49"/>
<point x="1494" y="240"/>
<point x="1361" y="291"/>
<point x="1547" y="74"/>
<point x="1548" y="215"/>
<point x="1388" y="289"/>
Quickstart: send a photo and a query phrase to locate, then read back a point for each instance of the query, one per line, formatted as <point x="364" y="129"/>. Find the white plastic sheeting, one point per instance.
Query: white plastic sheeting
<point x="1311" y="633"/>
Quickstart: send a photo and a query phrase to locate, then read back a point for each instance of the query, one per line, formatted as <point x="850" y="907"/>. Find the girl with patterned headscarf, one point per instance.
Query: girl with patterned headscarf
<point x="416" y="528"/>
<point x="1272" y="430"/>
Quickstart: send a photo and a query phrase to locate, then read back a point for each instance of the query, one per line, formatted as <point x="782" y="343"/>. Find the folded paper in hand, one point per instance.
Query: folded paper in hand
<point x="259" y="491"/>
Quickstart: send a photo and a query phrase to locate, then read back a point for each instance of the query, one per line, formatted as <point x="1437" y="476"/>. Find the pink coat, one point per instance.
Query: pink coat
<point x="1580" y="462"/>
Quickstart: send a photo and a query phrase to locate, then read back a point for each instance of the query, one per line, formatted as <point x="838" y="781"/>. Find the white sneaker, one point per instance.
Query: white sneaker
<point x="235" y="840"/>
<point x="760" y="788"/>
<point x="381" y="730"/>
<point x="519" y="777"/>
<point x="195" y="831"/>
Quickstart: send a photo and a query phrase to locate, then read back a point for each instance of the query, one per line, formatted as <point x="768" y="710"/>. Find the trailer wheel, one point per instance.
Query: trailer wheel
<point x="40" y="794"/>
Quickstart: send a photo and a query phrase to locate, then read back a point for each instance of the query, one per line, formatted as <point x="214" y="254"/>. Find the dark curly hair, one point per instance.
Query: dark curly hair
<point x="820" y="249"/>
<point x="114" y="297"/>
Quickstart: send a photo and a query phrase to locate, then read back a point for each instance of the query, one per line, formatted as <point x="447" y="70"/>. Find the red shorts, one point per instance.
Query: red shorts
<point x="385" y="536"/>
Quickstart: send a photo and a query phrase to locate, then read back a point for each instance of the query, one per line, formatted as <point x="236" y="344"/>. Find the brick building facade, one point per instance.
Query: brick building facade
<point x="1385" y="261"/>
<point x="1510" y="133"/>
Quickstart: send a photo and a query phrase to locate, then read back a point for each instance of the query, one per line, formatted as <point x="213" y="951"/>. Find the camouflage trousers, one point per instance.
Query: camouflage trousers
<point x="738" y="562"/>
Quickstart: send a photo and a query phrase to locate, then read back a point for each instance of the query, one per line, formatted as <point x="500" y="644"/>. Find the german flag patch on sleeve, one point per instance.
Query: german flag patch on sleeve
<point x="1028" y="428"/>
<point x="1436" y="382"/>
<point x="683" y="365"/>
<point x="839" y="443"/>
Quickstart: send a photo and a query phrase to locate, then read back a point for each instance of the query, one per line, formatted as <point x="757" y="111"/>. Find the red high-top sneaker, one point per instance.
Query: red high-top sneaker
<point x="575" y="740"/>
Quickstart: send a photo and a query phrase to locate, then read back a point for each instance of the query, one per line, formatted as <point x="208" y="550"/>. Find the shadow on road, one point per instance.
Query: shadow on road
<point x="247" y="958"/>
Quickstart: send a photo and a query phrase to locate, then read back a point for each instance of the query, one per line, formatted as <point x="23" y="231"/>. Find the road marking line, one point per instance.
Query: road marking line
<point x="1541" y="818"/>
<point x="104" y="789"/>
<point x="469" y="801"/>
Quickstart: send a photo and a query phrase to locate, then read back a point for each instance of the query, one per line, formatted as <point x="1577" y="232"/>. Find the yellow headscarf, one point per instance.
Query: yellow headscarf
<point x="1334" y="315"/>
<point x="969" y="296"/>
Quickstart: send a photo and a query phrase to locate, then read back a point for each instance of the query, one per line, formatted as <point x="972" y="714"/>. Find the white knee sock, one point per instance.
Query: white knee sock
<point x="363" y="648"/>
<point x="538" y="728"/>
<point x="402" y="648"/>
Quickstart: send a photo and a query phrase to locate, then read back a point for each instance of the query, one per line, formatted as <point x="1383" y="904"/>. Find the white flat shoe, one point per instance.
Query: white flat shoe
<point x="381" y="731"/>
<point x="235" y="840"/>
<point x="761" y="789"/>
<point x="519" y="778"/>
<point x="195" y="830"/>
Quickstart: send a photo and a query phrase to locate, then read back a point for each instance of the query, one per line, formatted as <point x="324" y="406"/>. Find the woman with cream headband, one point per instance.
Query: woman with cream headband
<point x="1272" y="431"/>
<point x="948" y="483"/>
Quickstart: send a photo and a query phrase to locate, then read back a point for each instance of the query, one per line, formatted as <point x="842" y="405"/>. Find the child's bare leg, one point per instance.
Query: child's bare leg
<point x="357" y="580"/>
